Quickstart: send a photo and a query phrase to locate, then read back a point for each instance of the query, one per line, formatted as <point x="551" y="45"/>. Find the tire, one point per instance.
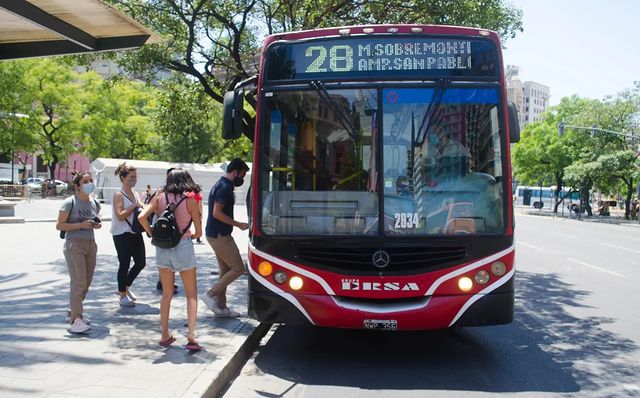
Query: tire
<point x="538" y="205"/>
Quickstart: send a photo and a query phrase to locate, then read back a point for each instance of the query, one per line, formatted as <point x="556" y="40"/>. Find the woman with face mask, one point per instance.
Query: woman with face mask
<point x="78" y="217"/>
<point x="126" y="237"/>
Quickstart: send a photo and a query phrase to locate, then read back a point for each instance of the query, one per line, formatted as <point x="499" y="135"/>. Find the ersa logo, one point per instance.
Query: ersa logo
<point x="357" y="285"/>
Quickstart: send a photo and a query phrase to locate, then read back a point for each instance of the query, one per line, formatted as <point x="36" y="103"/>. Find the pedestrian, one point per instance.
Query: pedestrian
<point x="159" y="190"/>
<point x="181" y="258"/>
<point x="147" y="194"/>
<point x="197" y="196"/>
<point x="220" y="223"/>
<point x="129" y="243"/>
<point x="78" y="217"/>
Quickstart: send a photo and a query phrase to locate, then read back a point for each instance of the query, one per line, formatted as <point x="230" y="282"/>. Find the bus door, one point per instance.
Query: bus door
<point x="526" y="199"/>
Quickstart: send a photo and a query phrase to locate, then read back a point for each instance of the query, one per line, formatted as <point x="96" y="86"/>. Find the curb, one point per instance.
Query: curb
<point x="232" y="369"/>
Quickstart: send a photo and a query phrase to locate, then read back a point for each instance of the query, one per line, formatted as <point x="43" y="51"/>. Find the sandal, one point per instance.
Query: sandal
<point x="166" y="343"/>
<point x="193" y="346"/>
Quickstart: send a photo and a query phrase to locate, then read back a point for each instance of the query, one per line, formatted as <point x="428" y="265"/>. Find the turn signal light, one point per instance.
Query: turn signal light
<point x="265" y="268"/>
<point x="465" y="283"/>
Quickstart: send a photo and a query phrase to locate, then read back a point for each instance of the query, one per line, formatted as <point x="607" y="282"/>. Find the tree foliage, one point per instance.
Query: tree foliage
<point x="579" y="158"/>
<point x="217" y="43"/>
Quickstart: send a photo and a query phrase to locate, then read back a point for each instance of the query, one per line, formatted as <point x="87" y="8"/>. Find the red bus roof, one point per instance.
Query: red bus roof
<point x="399" y="29"/>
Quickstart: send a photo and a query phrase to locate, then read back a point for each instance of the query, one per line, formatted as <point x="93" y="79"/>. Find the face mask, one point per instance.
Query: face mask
<point x="238" y="181"/>
<point x="88" y="188"/>
<point x="132" y="183"/>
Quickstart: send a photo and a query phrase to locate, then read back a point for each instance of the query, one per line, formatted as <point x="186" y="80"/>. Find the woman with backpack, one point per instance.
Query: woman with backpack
<point x="174" y="248"/>
<point x="77" y="219"/>
<point x="127" y="233"/>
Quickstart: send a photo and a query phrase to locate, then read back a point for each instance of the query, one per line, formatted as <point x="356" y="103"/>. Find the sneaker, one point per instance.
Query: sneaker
<point x="125" y="301"/>
<point x="132" y="296"/>
<point x="86" y="320"/>
<point x="78" y="326"/>
<point x="211" y="303"/>
<point x="226" y="313"/>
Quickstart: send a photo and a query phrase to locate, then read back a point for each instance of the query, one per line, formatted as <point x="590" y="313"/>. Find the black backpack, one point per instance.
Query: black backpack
<point x="136" y="227"/>
<point x="165" y="233"/>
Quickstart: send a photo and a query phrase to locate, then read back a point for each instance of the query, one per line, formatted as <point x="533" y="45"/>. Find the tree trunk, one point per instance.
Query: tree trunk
<point x="584" y="202"/>
<point x="52" y="166"/>
<point x="627" y="201"/>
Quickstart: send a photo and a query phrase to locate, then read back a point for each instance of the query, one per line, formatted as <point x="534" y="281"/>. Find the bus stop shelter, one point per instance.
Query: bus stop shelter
<point x="38" y="28"/>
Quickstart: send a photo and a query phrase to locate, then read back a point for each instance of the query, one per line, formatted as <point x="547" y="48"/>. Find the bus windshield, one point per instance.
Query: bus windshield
<point x="429" y="158"/>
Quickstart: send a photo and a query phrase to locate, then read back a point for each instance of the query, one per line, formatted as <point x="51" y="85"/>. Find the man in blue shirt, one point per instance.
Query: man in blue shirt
<point x="220" y="224"/>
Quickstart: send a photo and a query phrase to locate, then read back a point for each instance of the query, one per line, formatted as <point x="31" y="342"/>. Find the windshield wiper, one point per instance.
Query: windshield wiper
<point x="433" y="105"/>
<point x="343" y="118"/>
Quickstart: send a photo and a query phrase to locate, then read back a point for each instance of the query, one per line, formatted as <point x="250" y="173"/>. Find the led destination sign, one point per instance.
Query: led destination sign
<point x="382" y="57"/>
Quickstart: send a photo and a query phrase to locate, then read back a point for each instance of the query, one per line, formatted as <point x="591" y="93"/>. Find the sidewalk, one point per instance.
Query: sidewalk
<point x="616" y="220"/>
<point x="120" y="355"/>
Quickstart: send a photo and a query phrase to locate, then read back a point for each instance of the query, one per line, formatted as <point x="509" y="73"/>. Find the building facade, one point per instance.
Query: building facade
<point x="531" y="98"/>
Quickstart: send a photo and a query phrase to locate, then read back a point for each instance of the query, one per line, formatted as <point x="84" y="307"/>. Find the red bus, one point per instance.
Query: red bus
<point x="381" y="186"/>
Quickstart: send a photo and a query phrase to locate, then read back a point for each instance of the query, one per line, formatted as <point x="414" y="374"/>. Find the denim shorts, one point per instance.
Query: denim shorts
<point x="179" y="258"/>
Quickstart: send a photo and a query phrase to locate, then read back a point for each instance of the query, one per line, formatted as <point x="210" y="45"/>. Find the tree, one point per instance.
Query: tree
<point x="57" y="97"/>
<point x="542" y="154"/>
<point x="187" y="121"/>
<point x="123" y="124"/>
<point x="217" y="43"/>
<point x="16" y="133"/>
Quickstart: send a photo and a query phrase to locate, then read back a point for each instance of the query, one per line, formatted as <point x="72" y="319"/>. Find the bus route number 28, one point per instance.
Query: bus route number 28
<point x="340" y="58"/>
<point x="407" y="220"/>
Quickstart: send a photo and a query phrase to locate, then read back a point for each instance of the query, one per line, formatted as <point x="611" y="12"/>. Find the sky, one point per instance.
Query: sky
<point x="590" y="48"/>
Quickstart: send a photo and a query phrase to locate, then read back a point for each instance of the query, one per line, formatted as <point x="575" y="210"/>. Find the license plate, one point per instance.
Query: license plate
<point x="379" y="324"/>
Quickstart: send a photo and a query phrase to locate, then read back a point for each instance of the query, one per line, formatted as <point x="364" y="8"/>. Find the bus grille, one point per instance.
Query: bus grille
<point x="400" y="258"/>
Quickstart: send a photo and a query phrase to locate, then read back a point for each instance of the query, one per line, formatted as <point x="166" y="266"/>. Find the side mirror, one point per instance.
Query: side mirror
<point x="232" y="123"/>
<point x="514" y="125"/>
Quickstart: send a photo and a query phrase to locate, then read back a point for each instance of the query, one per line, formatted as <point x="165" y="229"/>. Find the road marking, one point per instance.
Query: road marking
<point x="620" y="247"/>
<point x="596" y="268"/>
<point x="563" y="235"/>
<point x="519" y="242"/>
<point x="626" y="237"/>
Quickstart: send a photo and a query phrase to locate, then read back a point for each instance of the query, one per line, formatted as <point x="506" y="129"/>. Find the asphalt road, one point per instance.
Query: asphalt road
<point x="576" y="333"/>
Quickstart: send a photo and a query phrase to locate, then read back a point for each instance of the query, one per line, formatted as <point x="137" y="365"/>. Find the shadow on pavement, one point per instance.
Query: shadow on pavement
<point x="32" y="327"/>
<point x="545" y="349"/>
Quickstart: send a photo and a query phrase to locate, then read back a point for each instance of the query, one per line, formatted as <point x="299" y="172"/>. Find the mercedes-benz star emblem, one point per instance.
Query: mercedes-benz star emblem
<point x="380" y="259"/>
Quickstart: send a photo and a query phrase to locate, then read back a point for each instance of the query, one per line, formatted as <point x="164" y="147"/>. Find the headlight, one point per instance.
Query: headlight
<point x="465" y="284"/>
<point x="295" y="283"/>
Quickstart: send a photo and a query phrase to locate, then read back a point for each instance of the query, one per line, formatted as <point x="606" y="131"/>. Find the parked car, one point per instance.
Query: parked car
<point x="61" y="186"/>
<point x="35" y="184"/>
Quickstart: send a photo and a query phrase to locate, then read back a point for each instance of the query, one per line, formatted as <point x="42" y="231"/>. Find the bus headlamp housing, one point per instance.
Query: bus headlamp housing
<point x="498" y="268"/>
<point x="280" y="277"/>
<point x="482" y="277"/>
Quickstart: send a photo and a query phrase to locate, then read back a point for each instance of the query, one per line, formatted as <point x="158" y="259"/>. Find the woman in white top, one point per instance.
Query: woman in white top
<point x="126" y="236"/>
